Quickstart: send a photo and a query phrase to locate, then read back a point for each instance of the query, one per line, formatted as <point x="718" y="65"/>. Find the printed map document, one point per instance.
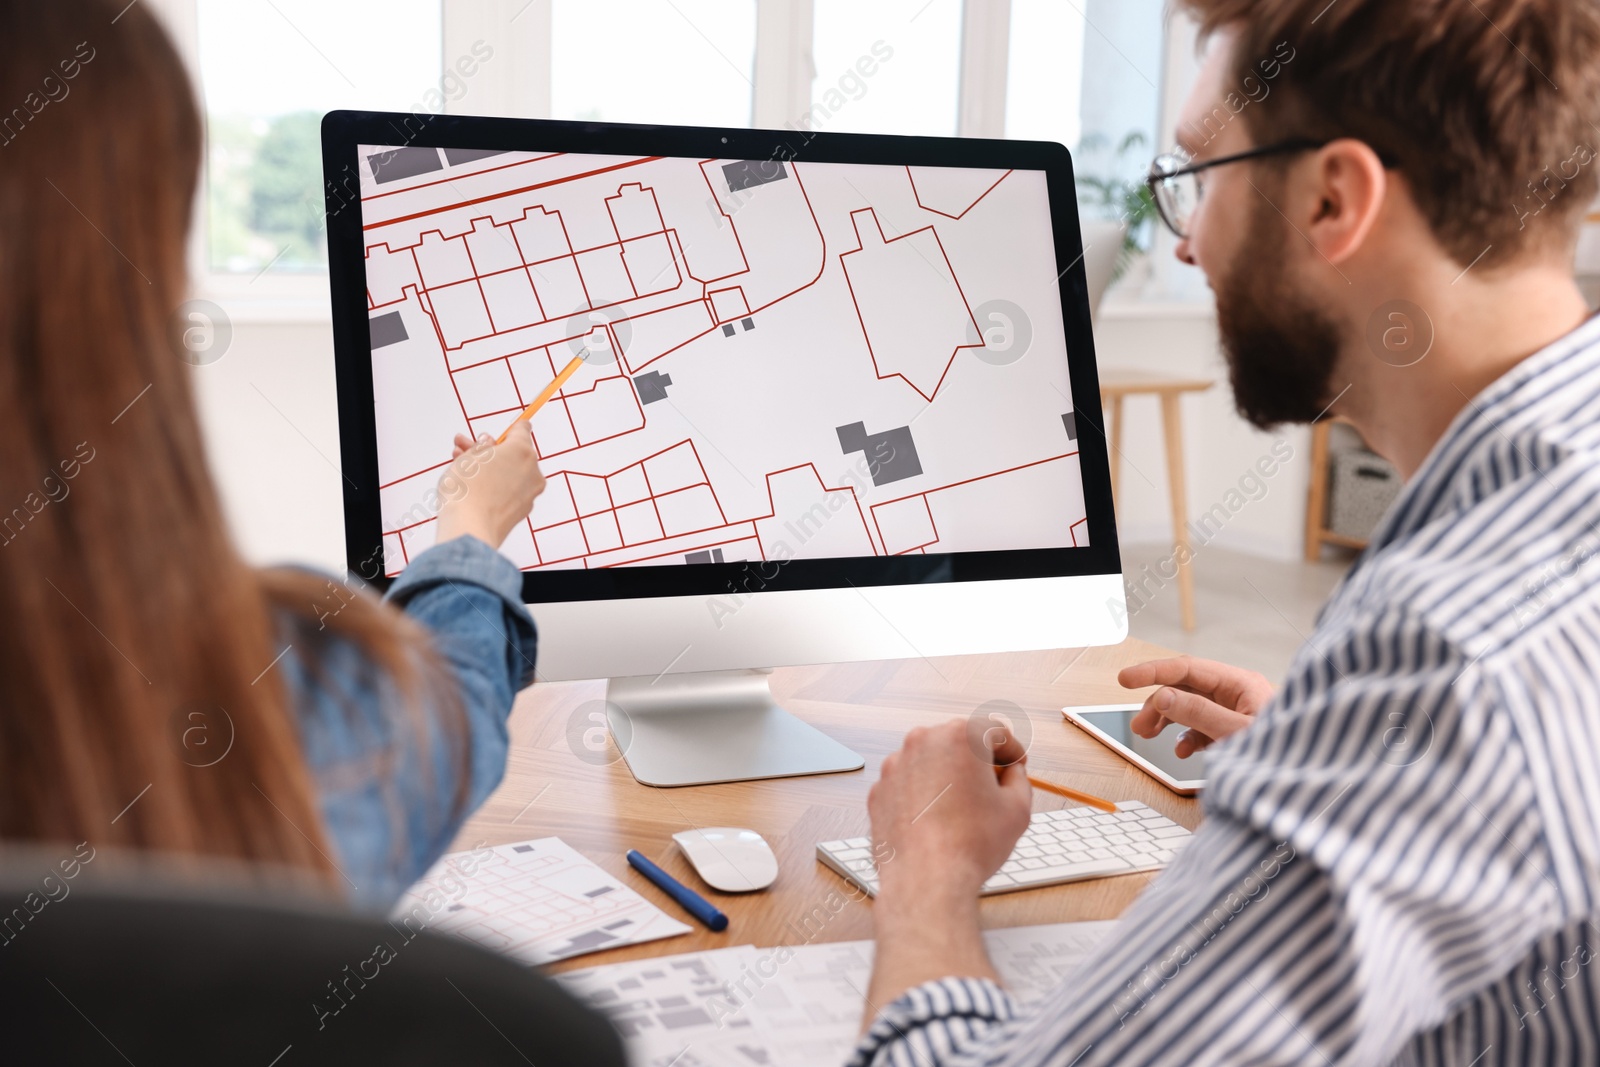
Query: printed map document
<point x="536" y="901"/>
<point x="791" y="1006"/>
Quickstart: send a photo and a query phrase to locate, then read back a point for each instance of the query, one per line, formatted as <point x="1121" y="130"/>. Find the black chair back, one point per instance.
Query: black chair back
<point x="94" y="977"/>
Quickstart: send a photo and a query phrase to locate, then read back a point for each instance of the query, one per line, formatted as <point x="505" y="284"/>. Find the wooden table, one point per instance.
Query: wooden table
<point x="602" y="812"/>
<point x="1115" y="386"/>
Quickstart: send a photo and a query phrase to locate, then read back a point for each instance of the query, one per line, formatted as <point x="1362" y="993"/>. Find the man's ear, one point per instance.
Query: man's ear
<point x="1348" y="184"/>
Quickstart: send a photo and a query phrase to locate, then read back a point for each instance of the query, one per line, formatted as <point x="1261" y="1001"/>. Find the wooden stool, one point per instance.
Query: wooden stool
<point x="1114" y="387"/>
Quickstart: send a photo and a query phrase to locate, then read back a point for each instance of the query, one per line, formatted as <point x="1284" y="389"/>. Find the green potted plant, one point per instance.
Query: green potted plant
<point x="1114" y="196"/>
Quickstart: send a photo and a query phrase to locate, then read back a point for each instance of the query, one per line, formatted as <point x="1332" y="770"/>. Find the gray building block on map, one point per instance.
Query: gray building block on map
<point x="652" y="386"/>
<point x="1070" y="421"/>
<point x="749" y="173"/>
<point x="387" y="330"/>
<point x="399" y="163"/>
<point x="891" y="455"/>
<point x="454" y="157"/>
<point x="712" y="556"/>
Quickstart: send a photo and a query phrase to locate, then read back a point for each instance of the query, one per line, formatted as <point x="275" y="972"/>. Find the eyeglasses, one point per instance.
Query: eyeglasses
<point x="1175" y="183"/>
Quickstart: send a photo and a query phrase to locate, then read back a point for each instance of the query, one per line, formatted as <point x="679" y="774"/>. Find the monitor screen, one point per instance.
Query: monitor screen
<point x="770" y="359"/>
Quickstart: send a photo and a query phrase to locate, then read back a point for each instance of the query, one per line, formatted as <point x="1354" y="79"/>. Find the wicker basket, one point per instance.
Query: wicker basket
<point x="1362" y="488"/>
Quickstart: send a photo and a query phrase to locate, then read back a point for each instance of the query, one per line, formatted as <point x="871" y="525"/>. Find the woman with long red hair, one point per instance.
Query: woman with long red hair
<point x="360" y="739"/>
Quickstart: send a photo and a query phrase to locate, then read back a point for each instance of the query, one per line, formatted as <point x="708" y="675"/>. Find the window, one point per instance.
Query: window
<point x="1044" y="77"/>
<point x="1082" y="72"/>
<point x="888" y="67"/>
<point x="1086" y="73"/>
<point x="268" y="71"/>
<point x="689" y="62"/>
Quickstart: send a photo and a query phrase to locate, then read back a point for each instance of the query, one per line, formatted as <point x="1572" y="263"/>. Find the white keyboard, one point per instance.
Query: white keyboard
<point x="1059" y="846"/>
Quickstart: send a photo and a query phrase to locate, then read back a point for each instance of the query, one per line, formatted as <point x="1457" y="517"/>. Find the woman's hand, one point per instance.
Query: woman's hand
<point x="1212" y="699"/>
<point x="489" y="488"/>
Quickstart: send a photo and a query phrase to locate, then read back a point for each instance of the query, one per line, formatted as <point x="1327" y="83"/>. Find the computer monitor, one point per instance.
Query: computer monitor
<point x="835" y="399"/>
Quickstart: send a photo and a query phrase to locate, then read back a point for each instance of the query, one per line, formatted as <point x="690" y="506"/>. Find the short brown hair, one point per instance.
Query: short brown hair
<point x="1489" y="107"/>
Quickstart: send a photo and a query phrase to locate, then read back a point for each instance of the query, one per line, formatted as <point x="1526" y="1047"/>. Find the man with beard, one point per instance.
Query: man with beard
<point x="1400" y="856"/>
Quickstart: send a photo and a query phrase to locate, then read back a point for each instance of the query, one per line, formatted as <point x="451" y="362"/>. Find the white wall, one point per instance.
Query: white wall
<point x="272" y="432"/>
<point x="1220" y="448"/>
<point x="271" y="424"/>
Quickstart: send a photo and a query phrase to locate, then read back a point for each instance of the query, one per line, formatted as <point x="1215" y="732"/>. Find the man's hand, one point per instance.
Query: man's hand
<point x="489" y="488"/>
<point x="1212" y="699"/>
<point x="948" y="822"/>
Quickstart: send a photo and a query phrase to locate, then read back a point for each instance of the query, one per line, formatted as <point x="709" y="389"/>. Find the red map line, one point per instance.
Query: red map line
<point x="459" y="177"/>
<point x="495" y="331"/>
<point x="511" y="192"/>
<point x="427" y="307"/>
<point x="736" y="240"/>
<point x="821" y="269"/>
<point x="860" y="246"/>
<point x="651" y="495"/>
<point x="947" y="214"/>
<point x="773" y="505"/>
<point x="477" y="277"/>
<point x="573" y="255"/>
<point x="976" y="478"/>
<point x="698" y="548"/>
<point x="415" y="474"/>
<point x="926" y="493"/>
<point x="527" y="268"/>
<point x="913" y="548"/>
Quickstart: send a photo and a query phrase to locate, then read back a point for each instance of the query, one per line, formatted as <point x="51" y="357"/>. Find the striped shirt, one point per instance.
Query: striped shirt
<point x="1400" y="858"/>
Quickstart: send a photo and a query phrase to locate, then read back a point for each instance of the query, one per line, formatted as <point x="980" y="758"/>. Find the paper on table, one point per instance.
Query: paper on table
<point x="811" y="1011"/>
<point x="682" y="1011"/>
<point x="1033" y="960"/>
<point x="791" y="1006"/>
<point x="536" y="901"/>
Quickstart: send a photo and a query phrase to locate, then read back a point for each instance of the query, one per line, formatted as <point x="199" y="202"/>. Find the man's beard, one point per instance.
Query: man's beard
<point x="1281" y="348"/>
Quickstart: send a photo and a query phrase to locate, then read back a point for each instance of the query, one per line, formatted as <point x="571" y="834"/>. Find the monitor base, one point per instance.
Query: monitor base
<point x="714" y="726"/>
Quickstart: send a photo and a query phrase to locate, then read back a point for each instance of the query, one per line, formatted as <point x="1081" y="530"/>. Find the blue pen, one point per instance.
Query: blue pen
<point x="692" y="902"/>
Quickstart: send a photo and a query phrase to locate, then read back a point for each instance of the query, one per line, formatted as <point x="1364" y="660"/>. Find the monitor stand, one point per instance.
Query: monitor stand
<point x="714" y="726"/>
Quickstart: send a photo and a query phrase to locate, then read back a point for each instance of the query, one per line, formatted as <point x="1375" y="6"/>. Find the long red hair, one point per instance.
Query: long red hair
<point x="132" y="622"/>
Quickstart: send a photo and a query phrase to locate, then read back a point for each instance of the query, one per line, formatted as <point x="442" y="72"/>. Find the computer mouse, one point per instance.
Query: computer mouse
<point x="728" y="858"/>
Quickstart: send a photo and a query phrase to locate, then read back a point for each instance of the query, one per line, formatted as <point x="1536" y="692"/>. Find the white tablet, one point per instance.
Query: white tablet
<point x="1157" y="756"/>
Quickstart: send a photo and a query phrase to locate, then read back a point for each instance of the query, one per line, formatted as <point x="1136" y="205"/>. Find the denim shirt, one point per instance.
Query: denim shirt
<point x="386" y="785"/>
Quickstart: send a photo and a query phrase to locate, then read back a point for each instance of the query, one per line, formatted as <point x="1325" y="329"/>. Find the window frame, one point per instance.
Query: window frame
<point x="519" y="83"/>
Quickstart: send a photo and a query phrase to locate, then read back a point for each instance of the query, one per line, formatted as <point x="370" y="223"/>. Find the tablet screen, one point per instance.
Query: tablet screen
<point x="1157" y="751"/>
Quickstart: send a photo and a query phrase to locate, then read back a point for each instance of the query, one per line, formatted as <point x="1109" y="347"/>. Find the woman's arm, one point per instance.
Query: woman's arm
<point x="469" y="597"/>
<point x="399" y="772"/>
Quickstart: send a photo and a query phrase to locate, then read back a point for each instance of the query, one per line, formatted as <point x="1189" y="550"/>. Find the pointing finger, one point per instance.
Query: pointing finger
<point x="1196" y="712"/>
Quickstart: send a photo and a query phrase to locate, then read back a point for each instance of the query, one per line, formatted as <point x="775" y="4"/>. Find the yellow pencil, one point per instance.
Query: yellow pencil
<point x="539" y="401"/>
<point x="1062" y="791"/>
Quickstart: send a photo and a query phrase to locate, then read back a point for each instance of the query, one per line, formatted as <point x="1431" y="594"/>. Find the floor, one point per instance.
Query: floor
<point x="1249" y="611"/>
